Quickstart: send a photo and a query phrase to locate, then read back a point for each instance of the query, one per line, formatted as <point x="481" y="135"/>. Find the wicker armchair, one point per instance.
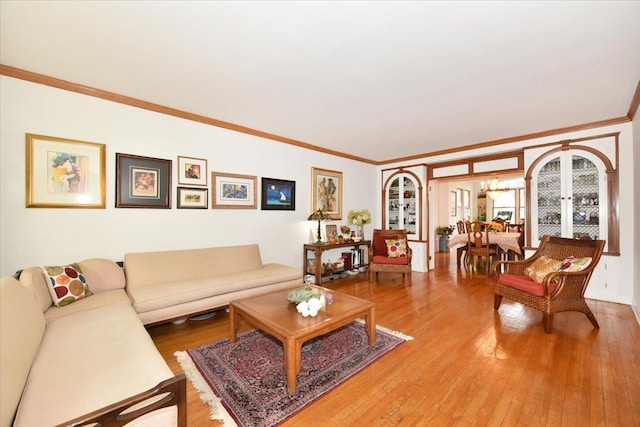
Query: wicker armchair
<point x="559" y="290"/>
<point x="378" y="256"/>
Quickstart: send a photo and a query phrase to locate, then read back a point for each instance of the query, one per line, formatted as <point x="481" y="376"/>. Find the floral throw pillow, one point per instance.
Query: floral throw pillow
<point x="541" y="267"/>
<point x="396" y="248"/>
<point x="574" y="264"/>
<point x="66" y="283"/>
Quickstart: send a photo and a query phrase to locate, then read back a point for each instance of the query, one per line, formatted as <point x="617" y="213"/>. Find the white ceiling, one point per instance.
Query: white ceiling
<point x="374" y="79"/>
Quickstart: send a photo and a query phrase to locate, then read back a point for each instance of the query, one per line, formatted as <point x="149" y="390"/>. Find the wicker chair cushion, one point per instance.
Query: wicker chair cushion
<point x="383" y="259"/>
<point x="525" y="283"/>
<point x="541" y="267"/>
<point x="396" y="248"/>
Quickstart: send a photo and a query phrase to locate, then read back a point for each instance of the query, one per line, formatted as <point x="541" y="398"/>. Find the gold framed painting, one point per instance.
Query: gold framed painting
<point x="233" y="191"/>
<point x="326" y="192"/>
<point x="64" y="173"/>
<point x="192" y="171"/>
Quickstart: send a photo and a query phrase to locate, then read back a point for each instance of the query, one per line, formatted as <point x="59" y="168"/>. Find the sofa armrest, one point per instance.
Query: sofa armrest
<point x="171" y="392"/>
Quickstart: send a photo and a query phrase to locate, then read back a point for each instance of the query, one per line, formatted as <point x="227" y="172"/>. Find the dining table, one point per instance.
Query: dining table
<point x="505" y="240"/>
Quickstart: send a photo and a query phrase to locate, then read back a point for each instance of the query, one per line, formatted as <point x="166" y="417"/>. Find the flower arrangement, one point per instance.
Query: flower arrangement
<point x="495" y="226"/>
<point x="359" y="217"/>
<point x="445" y="230"/>
<point x="345" y="229"/>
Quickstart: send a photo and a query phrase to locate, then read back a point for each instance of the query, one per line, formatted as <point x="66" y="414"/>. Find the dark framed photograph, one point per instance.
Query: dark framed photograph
<point x="64" y="173"/>
<point x="192" y="198"/>
<point x="142" y="182"/>
<point x="278" y="195"/>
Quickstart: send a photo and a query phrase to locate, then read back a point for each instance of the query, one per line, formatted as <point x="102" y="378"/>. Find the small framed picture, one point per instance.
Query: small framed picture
<point x="278" y="195"/>
<point x="192" y="171"/>
<point x="326" y="192"/>
<point x="233" y="191"/>
<point x="64" y="173"/>
<point x="142" y="182"/>
<point x="332" y="232"/>
<point x="192" y="198"/>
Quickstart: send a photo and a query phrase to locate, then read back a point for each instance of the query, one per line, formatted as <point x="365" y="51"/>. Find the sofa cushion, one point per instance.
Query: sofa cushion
<point x="541" y="267"/>
<point x="525" y="283"/>
<point x="116" y="296"/>
<point x="87" y="361"/>
<point x="102" y="274"/>
<point x="67" y="284"/>
<point x="22" y="327"/>
<point x="163" y="295"/>
<point x="396" y="248"/>
<point x="154" y="268"/>
<point x="33" y="279"/>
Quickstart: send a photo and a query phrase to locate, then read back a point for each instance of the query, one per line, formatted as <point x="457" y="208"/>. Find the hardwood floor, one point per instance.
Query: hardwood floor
<point x="468" y="364"/>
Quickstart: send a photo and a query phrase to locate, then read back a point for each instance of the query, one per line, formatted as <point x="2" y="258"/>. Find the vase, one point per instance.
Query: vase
<point x="361" y="232"/>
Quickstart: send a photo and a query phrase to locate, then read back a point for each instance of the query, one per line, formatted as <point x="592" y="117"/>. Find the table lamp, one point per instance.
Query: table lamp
<point x="319" y="215"/>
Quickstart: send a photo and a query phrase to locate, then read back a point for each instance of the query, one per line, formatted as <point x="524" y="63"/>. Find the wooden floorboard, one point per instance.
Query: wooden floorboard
<point x="468" y="365"/>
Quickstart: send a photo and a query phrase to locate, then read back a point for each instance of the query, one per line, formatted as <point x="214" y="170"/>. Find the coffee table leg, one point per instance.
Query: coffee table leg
<point x="370" y="323"/>
<point x="234" y="323"/>
<point x="292" y="356"/>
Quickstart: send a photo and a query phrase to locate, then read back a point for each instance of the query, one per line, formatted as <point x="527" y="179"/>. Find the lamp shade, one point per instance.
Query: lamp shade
<point x="319" y="215"/>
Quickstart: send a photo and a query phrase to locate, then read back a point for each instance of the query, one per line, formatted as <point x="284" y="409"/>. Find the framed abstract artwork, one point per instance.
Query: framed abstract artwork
<point x="326" y="192"/>
<point x="192" y="171"/>
<point x="64" y="173"/>
<point x="233" y="191"/>
<point x="142" y="182"/>
<point x="278" y="195"/>
<point x="192" y="198"/>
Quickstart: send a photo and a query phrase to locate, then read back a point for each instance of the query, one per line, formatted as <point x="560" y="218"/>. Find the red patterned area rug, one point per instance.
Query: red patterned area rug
<point x="245" y="383"/>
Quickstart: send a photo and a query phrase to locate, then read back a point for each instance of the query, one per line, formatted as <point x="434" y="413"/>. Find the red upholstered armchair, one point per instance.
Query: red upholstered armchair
<point x="379" y="259"/>
<point x="552" y="280"/>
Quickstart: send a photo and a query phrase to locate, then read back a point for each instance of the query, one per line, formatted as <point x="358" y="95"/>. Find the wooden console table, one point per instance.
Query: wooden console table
<point x="319" y="249"/>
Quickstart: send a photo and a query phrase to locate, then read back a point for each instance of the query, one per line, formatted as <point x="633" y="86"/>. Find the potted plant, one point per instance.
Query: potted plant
<point x="443" y="232"/>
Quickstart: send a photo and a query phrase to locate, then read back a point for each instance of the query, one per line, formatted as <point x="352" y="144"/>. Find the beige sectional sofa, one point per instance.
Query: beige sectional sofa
<point x="59" y="364"/>
<point x="167" y="285"/>
<point x="93" y="358"/>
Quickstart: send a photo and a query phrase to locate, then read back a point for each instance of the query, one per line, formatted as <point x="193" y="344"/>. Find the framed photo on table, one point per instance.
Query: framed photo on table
<point x="192" y="198"/>
<point x="142" y="182"/>
<point x="233" y="191"/>
<point x="326" y="192"/>
<point x="278" y="195"/>
<point x="64" y="173"/>
<point x="192" y="171"/>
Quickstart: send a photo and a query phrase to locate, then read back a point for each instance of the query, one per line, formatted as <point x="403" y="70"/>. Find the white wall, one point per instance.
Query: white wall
<point x="610" y="281"/>
<point x="33" y="236"/>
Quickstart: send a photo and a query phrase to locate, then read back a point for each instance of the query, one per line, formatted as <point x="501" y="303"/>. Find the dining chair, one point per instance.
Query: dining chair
<point x="554" y="279"/>
<point x="479" y="245"/>
<point x="461" y="249"/>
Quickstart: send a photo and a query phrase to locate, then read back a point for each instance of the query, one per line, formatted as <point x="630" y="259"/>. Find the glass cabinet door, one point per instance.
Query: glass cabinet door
<point x="570" y="191"/>
<point x="402" y="205"/>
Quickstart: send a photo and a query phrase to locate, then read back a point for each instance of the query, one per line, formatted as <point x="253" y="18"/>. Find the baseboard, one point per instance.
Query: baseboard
<point x="636" y="311"/>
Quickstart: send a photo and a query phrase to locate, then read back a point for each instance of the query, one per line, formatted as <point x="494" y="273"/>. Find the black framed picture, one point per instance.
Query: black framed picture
<point x="142" y="182"/>
<point x="278" y="195"/>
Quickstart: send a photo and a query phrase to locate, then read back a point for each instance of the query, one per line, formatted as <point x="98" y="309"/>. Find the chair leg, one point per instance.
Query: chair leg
<point x="591" y="318"/>
<point x="497" y="300"/>
<point x="547" y="320"/>
<point x="370" y="276"/>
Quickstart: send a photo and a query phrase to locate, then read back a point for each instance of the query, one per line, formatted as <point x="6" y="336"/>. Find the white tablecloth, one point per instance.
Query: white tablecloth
<point x="505" y="241"/>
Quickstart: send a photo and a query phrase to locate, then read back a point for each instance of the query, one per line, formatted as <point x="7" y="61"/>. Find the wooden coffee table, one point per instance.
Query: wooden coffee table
<point x="276" y="316"/>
